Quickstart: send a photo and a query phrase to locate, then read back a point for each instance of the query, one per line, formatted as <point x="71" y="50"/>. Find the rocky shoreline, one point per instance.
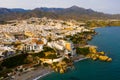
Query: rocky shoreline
<point x="100" y="55"/>
<point x="46" y="73"/>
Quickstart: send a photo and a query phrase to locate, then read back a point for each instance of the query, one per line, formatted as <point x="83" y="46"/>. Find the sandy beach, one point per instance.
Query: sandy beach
<point x="42" y="75"/>
<point x="34" y="74"/>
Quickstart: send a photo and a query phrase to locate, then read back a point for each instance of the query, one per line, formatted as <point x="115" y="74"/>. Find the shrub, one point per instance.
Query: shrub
<point x="82" y="51"/>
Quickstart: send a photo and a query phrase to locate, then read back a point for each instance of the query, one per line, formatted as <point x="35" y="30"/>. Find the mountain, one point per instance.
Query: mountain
<point x="44" y="9"/>
<point x="4" y="11"/>
<point x="65" y="10"/>
<point x="73" y="12"/>
<point x="19" y="10"/>
<point x="77" y="13"/>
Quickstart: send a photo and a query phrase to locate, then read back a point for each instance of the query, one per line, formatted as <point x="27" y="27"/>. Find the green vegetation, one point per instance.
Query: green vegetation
<point x="45" y="49"/>
<point x="40" y="54"/>
<point x="25" y="58"/>
<point x="14" y="61"/>
<point x="45" y="64"/>
<point x="102" y="23"/>
<point x="4" y="72"/>
<point x="77" y="38"/>
<point x="81" y="38"/>
<point x="51" y="53"/>
<point x="66" y="60"/>
<point x="51" y="56"/>
<point x="83" y="51"/>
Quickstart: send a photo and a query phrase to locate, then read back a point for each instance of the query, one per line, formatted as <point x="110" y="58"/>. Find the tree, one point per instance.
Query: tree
<point x="52" y="56"/>
<point x="83" y="51"/>
<point x="29" y="59"/>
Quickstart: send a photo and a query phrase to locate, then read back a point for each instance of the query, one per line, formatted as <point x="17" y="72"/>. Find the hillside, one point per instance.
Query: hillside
<point x="73" y="12"/>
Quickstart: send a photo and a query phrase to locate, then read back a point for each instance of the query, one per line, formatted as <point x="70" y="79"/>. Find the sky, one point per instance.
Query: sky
<point x="106" y="6"/>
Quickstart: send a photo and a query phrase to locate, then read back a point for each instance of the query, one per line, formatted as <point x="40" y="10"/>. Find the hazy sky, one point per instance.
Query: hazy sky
<point x="107" y="6"/>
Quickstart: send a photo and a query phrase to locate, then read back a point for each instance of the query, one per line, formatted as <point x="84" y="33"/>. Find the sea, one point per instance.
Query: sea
<point x="107" y="40"/>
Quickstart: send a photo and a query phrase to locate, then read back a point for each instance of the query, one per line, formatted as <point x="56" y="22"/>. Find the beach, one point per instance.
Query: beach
<point x="42" y="75"/>
<point x="37" y="73"/>
<point x="34" y="74"/>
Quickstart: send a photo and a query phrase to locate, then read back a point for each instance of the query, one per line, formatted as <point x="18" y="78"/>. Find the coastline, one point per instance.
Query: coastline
<point x="40" y="76"/>
<point x="104" y="73"/>
<point x="40" y="72"/>
<point x="34" y="74"/>
<point x="95" y="28"/>
<point x="43" y="75"/>
<point x="80" y="59"/>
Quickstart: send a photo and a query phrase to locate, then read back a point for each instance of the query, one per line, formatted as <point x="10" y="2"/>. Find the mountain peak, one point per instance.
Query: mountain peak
<point x="74" y="7"/>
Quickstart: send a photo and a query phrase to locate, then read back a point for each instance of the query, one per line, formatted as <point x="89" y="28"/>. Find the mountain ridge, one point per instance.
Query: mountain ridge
<point x="73" y="12"/>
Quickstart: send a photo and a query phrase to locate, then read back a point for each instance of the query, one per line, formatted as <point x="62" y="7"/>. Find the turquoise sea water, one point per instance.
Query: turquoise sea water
<point x="108" y="40"/>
